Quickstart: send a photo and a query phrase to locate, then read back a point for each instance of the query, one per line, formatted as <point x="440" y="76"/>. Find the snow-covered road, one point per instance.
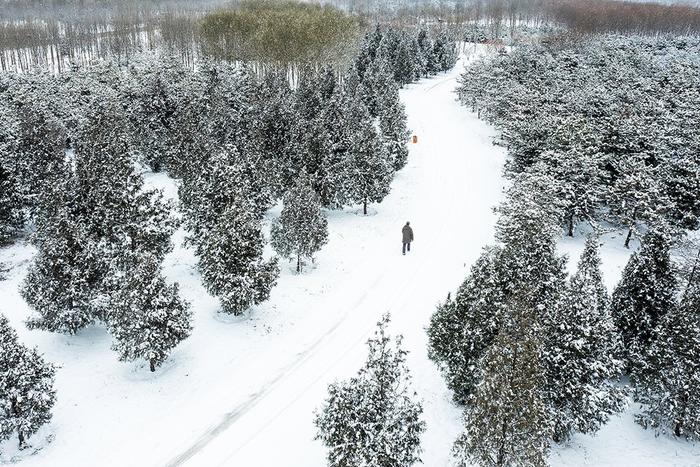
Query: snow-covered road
<point x="447" y="191"/>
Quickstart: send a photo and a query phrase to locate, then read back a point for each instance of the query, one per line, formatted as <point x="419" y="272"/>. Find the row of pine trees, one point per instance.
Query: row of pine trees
<point x="536" y="357"/>
<point x="73" y="150"/>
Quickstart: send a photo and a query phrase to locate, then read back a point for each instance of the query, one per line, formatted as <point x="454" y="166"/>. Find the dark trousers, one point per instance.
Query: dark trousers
<point x="406" y="246"/>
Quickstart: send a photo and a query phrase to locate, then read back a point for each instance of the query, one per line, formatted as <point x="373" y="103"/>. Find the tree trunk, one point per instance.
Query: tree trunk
<point x="20" y="434"/>
<point x="298" y="263"/>
<point x="153" y="365"/>
<point x="692" y="273"/>
<point x="364" y="205"/>
<point x="629" y="234"/>
<point x="570" y="233"/>
<point x="629" y="237"/>
<point x="678" y="428"/>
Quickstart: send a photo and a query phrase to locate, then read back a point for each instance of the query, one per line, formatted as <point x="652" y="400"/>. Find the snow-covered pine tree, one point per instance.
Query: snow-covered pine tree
<point x="391" y="113"/>
<point x="11" y="217"/>
<point x="94" y="224"/>
<point x="231" y="261"/>
<point x="635" y="196"/>
<point x="109" y="198"/>
<point x="681" y="179"/>
<point x="580" y="343"/>
<point x="463" y="328"/>
<point x="273" y="131"/>
<point x="368" y="167"/>
<point x="331" y="182"/>
<point x="302" y="228"/>
<point x="377" y="82"/>
<point x="327" y="81"/>
<point x="388" y="51"/>
<point x="425" y="51"/>
<point x="578" y="178"/>
<point x="506" y="420"/>
<point x="407" y="59"/>
<point x="222" y="182"/>
<point x="527" y="229"/>
<point x="157" y="93"/>
<point x="38" y="150"/>
<point x="368" y="51"/>
<point x="668" y="387"/>
<point x="147" y="316"/>
<point x="372" y="419"/>
<point x="67" y="273"/>
<point x="644" y="295"/>
<point x="444" y="54"/>
<point x="26" y="387"/>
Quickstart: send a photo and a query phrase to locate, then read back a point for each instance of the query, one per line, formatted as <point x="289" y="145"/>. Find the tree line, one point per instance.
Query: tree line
<point x="610" y="119"/>
<point x="535" y="357"/>
<point x="269" y="34"/>
<point x="74" y="147"/>
<point x="596" y="134"/>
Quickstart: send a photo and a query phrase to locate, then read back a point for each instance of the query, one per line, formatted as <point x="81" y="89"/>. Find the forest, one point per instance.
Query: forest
<point x="271" y="120"/>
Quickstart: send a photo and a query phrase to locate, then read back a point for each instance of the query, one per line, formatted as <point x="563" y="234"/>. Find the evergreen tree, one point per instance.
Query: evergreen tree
<point x="444" y="54"/>
<point x="378" y="87"/>
<point x="388" y="51"/>
<point x="302" y="229"/>
<point x="644" y="295"/>
<point x="372" y="419"/>
<point x="425" y="51"/>
<point x="221" y="183"/>
<point x="392" y="120"/>
<point x="11" y="217"/>
<point x="273" y="131"/>
<point x="223" y="209"/>
<point x="26" y="387"/>
<point x="107" y="194"/>
<point x="96" y="223"/>
<point x="368" y="51"/>
<point x="231" y="262"/>
<point x="669" y="386"/>
<point x="462" y="329"/>
<point x="331" y="182"/>
<point x="580" y="342"/>
<point x="38" y="148"/>
<point x="147" y="319"/>
<point x="506" y="420"/>
<point x="369" y="170"/>
<point x="578" y="183"/>
<point x="406" y="62"/>
<point x="681" y="180"/>
<point x="635" y="197"/>
<point x="157" y="94"/>
<point x="66" y="276"/>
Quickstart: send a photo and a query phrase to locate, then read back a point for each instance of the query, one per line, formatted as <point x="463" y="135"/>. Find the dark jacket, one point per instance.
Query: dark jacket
<point x="407" y="233"/>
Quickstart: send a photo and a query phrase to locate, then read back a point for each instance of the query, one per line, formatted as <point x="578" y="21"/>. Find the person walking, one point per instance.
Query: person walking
<point x="407" y="234"/>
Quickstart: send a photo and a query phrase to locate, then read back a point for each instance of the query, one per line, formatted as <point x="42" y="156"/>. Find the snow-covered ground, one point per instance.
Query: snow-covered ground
<point x="242" y="391"/>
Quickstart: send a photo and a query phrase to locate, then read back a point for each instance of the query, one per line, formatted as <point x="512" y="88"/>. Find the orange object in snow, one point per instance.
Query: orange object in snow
<point x="415" y="139"/>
